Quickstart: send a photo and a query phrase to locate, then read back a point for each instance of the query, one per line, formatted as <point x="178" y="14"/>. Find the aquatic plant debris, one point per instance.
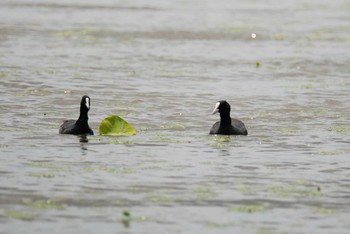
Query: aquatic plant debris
<point x="248" y="208"/>
<point x="257" y="64"/>
<point x="43" y="174"/>
<point x="44" y="203"/>
<point x="114" y="125"/>
<point x="126" y="218"/>
<point x="213" y="224"/>
<point x="12" y="214"/>
<point x="339" y="129"/>
<point x="156" y="198"/>
<point x="321" y="210"/>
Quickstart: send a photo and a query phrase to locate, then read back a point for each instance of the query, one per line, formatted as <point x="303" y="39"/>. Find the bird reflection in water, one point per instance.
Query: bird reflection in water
<point x="83" y="140"/>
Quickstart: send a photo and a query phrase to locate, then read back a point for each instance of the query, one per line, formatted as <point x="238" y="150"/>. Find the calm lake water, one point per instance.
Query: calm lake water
<point x="162" y="65"/>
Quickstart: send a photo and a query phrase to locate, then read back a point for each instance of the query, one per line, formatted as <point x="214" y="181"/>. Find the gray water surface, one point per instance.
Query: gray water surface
<point x="162" y="65"/>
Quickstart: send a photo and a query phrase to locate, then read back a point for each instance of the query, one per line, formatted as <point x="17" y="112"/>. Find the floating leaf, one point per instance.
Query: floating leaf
<point x="126" y="213"/>
<point x="126" y="219"/>
<point x="114" y="125"/>
<point x="257" y="64"/>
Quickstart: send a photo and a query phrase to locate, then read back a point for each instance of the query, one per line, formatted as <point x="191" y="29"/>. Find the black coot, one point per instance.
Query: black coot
<point x="80" y="126"/>
<point x="227" y="125"/>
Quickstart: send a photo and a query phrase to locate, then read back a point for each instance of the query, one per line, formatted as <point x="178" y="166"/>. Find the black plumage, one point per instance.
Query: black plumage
<point x="227" y="125"/>
<point x="80" y="126"/>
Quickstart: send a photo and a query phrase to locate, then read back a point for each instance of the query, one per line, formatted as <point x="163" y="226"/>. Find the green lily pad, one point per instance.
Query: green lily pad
<point x="114" y="125"/>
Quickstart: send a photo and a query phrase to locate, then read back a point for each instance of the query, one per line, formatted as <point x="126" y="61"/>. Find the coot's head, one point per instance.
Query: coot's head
<point x="222" y="107"/>
<point x="85" y="103"/>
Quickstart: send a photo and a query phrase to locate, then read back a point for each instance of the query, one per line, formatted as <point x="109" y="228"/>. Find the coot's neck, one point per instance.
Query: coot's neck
<point x="83" y="117"/>
<point x="225" y="119"/>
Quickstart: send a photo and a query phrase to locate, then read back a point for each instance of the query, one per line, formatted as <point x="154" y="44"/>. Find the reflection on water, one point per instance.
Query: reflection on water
<point x="162" y="65"/>
<point x="83" y="139"/>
